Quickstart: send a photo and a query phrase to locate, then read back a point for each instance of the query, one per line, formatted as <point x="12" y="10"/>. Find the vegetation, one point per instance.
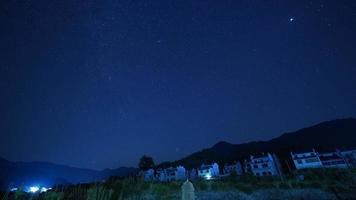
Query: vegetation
<point x="146" y="162"/>
<point x="325" y="183"/>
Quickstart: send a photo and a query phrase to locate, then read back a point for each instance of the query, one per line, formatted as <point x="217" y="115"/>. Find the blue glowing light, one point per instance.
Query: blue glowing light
<point x="44" y="189"/>
<point x="34" y="189"/>
<point x="207" y="176"/>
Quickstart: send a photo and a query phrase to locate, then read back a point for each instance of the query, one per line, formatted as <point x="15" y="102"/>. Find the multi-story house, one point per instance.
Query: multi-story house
<point x="264" y="165"/>
<point x="192" y="174"/>
<point x="172" y="174"/>
<point x="233" y="168"/>
<point x="181" y="173"/>
<point x="333" y="160"/>
<point x="209" y="171"/>
<point x="149" y="175"/>
<point x="308" y="159"/>
<point x="349" y="156"/>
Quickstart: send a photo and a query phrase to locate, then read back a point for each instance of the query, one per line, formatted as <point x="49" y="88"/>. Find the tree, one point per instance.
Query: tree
<point x="146" y="162"/>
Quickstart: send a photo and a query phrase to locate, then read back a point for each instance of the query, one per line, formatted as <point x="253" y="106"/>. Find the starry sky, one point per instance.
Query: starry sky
<point x="97" y="84"/>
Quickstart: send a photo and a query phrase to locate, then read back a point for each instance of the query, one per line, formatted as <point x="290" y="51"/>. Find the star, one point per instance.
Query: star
<point x="291" y="19"/>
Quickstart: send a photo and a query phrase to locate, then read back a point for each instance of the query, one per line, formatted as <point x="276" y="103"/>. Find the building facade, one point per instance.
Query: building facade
<point x="192" y="174"/>
<point x="350" y="157"/>
<point x="333" y="160"/>
<point x="233" y="168"/>
<point x="304" y="160"/>
<point x="172" y="174"/>
<point x="149" y="175"/>
<point x="209" y="171"/>
<point x="265" y="165"/>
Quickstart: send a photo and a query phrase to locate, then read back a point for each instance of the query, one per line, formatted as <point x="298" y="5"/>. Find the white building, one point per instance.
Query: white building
<point x="192" y="174"/>
<point x="306" y="160"/>
<point x="265" y="165"/>
<point x="172" y="174"/>
<point x="350" y="157"/>
<point x="160" y="175"/>
<point x="181" y="173"/>
<point x="149" y="175"/>
<point x="235" y="167"/>
<point x="333" y="160"/>
<point x="209" y="171"/>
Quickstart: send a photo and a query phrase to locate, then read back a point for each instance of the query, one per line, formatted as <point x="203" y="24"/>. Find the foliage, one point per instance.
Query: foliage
<point x="53" y="195"/>
<point x="284" y="186"/>
<point x="336" y="182"/>
<point x="166" y="190"/>
<point x="19" y="194"/>
<point x="146" y="162"/>
<point x="99" y="192"/>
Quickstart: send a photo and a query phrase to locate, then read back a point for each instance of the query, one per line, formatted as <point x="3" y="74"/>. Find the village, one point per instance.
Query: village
<point x="263" y="165"/>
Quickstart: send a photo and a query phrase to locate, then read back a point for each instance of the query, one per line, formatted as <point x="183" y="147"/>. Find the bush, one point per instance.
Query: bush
<point x="19" y="194"/>
<point x="99" y="193"/>
<point x="128" y="187"/>
<point x="294" y="184"/>
<point x="201" y="185"/>
<point x="166" y="190"/>
<point x="244" y="188"/>
<point x="315" y="185"/>
<point x="53" y="195"/>
<point x="75" y="193"/>
<point x="283" y="186"/>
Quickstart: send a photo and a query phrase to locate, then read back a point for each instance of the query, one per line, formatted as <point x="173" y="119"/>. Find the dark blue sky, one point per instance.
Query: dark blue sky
<point x="99" y="83"/>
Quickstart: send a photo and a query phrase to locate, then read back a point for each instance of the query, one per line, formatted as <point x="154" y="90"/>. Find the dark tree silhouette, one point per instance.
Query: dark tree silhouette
<point x="146" y="162"/>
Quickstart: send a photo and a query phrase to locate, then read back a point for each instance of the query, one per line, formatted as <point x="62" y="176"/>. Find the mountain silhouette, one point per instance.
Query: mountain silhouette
<point x="340" y="133"/>
<point x="15" y="174"/>
<point x="326" y="136"/>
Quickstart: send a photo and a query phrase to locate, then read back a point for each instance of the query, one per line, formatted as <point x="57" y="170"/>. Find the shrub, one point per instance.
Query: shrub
<point x="165" y="190"/>
<point x="128" y="187"/>
<point x="283" y="186"/>
<point x="99" y="193"/>
<point x="19" y="194"/>
<point x="315" y="185"/>
<point x="201" y="185"/>
<point x="294" y="184"/>
<point x="244" y="188"/>
<point x="53" y="195"/>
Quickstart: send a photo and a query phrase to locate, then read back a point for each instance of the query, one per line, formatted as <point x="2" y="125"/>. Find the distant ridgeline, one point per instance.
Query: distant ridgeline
<point x="15" y="174"/>
<point x="326" y="136"/>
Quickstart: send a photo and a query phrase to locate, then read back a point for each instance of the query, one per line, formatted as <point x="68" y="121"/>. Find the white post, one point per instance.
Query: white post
<point x="188" y="191"/>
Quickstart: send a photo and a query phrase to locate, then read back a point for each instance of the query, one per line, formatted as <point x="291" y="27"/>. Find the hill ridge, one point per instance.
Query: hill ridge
<point x="327" y="135"/>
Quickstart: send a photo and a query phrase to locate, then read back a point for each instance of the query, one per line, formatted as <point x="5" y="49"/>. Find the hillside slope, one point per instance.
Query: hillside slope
<point x="340" y="133"/>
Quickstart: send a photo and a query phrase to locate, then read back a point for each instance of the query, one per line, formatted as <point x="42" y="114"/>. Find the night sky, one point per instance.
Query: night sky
<point x="97" y="84"/>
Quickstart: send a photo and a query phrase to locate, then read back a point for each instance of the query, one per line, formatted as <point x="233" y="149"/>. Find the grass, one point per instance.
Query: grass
<point x="329" y="181"/>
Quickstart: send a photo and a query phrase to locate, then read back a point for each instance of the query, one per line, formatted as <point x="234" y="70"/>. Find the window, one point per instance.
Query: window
<point x="255" y="166"/>
<point x="299" y="161"/>
<point x="310" y="160"/>
<point x="269" y="173"/>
